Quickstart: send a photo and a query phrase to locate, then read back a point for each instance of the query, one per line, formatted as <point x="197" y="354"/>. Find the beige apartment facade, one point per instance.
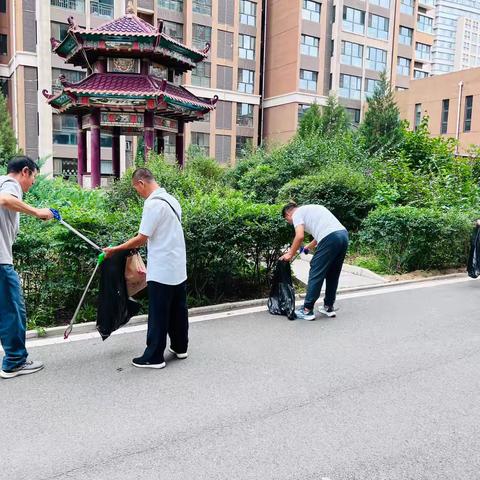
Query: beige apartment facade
<point x="452" y="103"/>
<point x="317" y="48"/>
<point x="232" y="72"/>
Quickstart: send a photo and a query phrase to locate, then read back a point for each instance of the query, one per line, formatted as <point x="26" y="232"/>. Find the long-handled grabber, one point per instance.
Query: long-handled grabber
<point x="57" y="216"/>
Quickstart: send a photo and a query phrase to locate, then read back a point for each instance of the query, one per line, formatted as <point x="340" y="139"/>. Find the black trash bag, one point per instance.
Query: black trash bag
<point x="282" y="294"/>
<point x="115" y="308"/>
<point x="473" y="266"/>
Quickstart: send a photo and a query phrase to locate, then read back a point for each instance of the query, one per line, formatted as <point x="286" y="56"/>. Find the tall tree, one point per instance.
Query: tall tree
<point x="382" y="129"/>
<point x="329" y="120"/>
<point x="8" y="142"/>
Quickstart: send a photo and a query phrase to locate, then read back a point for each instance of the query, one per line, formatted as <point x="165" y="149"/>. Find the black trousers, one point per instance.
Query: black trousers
<point x="326" y="265"/>
<point x="167" y="314"/>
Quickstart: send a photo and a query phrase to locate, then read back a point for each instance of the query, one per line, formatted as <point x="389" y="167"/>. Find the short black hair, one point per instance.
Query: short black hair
<point x="17" y="163"/>
<point x="143" y="174"/>
<point x="289" y="206"/>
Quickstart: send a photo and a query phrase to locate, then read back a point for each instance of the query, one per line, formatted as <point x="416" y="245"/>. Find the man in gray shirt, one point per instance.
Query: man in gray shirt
<point x="21" y="172"/>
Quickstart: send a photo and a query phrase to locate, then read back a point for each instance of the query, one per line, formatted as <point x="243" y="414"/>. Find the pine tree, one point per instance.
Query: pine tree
<point x="311" y="122"/>
<point x="8" y="142"/>
<point x="381" y="128"/>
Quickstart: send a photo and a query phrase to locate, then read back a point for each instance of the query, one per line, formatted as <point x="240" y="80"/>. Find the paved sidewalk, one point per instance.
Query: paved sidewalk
<point x="351" y="276"/>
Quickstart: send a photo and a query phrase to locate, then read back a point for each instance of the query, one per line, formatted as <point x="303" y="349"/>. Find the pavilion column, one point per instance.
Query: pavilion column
<point x="116" y="152"/>
<point x="160" y="142"/>
<point x="149" y="133"/>
<point x="95" y="148"/>
<point x="179" y="144"/>
<point x="81" y="151"/>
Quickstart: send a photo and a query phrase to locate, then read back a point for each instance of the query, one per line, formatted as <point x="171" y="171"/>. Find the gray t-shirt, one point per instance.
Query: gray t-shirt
<point x="317" y="220"/>
<point x="9" y="221"/>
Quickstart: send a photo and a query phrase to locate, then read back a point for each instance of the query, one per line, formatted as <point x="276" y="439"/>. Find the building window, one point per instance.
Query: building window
<point x="350" y="86"/>
<point x="425" y="24"/>
<point x="64" y="129"/>
<point x="308" y="80"/>
<point x="246" y="47"/>
<point x="169" y="147"/>
<point x="4" y="86"/>
<point x="202" y="6"/>
<point x="376" y="59"/>
<point x="403" y="66"/>
<point x="102" y="8"/>
<point x="309" y="46"/>
<point x="245" y="114"/>
<point x="405" y="36"/>
<point x="311" y="11"/>
<point x="201" y="35"/>
<point x="406" y="6"/>
<point x="241" y="145"/>
<point x="174" y="30"/>
<point x="378" y="26"/>
<point x="418" y="115"/>
<point x="302" y="109"/>
<point x="353" y="20"/>
<point x="106" y="141"/>
<point x="67" y="168"/>
<point x="248" y="12"/>
<point x="3" y="44"/>
<point x="78" y="5"/>
<point x="420" y="74"/>
<point x="58" y="30"/>
<point x="352" y="54"/>
<point x="246" y="80"/>
<point x="202" y="141"/>
<point x="468" y="113"/>
<point x="175" y="5"/>
<point x="370" y="85"/>
<point x="3" y="6"/>
<point x="422" y="51"/>
<point x="202" y="74"/>
<point x="380" y="3"/>
<point x="444" y="122"/>
<point x="354" y="115"/>
<point x="73" y="76"/>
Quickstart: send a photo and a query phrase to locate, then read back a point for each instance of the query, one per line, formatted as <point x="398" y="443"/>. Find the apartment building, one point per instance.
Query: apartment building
<point x="456" y="32"/>
<point x="314" y="48"/>
<point x="452" y="103"/>
<point x="232" y="72"/>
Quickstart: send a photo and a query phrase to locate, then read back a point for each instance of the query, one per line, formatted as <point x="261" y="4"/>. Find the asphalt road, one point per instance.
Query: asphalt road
<point x="388" y="390"/>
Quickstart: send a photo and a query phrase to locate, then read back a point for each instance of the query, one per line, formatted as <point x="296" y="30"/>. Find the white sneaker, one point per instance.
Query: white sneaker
<point x="327" y="311"/>
<point x="28" y="367"/>
<point x="302" y="314"/>
<point x="181" y="356"/>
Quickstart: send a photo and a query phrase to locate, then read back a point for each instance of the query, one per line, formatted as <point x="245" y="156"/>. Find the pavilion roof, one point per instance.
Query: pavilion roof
<point x="127" y="36"/>
<point x="131" y="87"/>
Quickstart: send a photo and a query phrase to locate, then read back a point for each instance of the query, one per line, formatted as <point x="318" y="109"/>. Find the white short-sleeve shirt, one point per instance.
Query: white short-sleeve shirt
<point x="167" y="258"/>
<point x="9" y="220"/>
<point x="317" y="220"/>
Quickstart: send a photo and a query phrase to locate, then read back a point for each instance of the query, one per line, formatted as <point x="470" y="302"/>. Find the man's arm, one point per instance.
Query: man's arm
<point x="297" y="241"/>
<point x="135" y="242"/>
<point x="10" y="202"/>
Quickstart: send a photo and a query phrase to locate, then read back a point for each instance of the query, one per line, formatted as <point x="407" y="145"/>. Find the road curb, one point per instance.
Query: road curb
<point x="226" y="307"/>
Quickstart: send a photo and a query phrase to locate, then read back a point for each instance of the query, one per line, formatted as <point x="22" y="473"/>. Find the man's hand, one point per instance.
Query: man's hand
<point x="43" y="213"/>
<point x="287" y="257"/>
<point x="109" y="251"/>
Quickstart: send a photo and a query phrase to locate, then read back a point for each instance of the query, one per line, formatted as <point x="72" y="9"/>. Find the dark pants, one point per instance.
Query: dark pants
<point x="167" y="313"/>
<point x="13" y="319"/>
<point x="326" y="265"/>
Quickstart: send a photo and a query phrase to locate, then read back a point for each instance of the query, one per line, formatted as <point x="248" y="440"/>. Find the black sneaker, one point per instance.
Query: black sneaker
<point x="327" y="311"/>
<point x="28" y="367"/>
<point x="141" y="363"/>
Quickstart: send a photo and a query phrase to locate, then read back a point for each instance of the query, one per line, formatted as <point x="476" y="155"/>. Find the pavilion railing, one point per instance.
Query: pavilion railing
<point x="78" y="5"/>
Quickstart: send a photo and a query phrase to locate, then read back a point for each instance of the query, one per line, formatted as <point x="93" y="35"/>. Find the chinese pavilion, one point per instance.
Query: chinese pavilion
<point x="123" y="93"/>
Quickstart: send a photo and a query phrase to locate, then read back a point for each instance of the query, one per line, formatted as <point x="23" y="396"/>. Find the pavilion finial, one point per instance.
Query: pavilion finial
<point x="130" y="10"/>
<point x="71" y="21"/>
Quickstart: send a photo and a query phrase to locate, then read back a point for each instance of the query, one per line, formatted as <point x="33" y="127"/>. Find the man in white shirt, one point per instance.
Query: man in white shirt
<point x="330" y="238"/>
<point x="21" y="172"/>
<point x="161" y="230"/>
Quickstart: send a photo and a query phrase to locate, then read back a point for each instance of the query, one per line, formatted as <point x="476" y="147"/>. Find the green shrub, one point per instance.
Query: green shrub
<point x="409" y="238"/>
<point x="344" y="191"/>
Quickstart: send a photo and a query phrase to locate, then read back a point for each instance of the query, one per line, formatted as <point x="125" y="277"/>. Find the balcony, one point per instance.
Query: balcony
<point x="77" y="5"/>
<point x="101" y="9"/>
<point x="428" y="4"/>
